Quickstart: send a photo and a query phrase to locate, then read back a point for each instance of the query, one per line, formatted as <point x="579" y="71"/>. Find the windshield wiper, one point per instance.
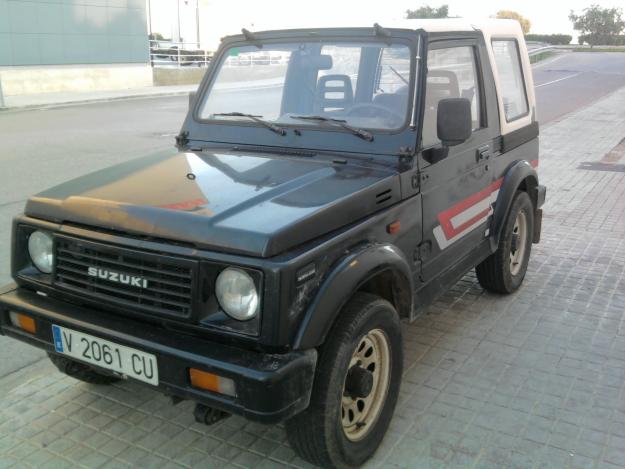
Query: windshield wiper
<point x="274" y="128"/>
<point x="339" y="122"/>
<point x="399" y="75"/>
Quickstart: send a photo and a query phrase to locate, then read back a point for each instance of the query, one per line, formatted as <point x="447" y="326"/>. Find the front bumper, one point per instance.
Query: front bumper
<point x="270" y="387"/>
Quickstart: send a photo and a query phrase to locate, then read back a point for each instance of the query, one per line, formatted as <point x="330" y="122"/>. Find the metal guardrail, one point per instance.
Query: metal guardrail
<point x="540" y="50"/>
<point x="176" y="54"/>
<point x="168" y="54"/>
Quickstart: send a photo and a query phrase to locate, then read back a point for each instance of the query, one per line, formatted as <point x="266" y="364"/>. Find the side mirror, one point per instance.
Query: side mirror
<point x="454" y="123"/>
<point x="191" y="99"/>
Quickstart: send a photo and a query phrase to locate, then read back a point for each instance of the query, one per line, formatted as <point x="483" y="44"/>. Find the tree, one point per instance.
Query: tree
<point x="598" y="25"/>
<point x="157" y="37"/>
<point x="513" y="15"/>
<point x="427" y="11"/>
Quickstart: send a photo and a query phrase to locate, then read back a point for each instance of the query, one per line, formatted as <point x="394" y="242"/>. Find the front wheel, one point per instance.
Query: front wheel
<point x="356" y="386"/>
<point x="504" y="270"/>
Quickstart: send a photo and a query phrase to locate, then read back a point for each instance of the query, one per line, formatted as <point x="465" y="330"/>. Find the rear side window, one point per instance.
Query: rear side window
<point x="508" y="62"/>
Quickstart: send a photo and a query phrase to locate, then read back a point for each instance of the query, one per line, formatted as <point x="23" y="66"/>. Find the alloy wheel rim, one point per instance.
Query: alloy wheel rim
<point x="519" y="242"/>
<point x="359" y="413"/>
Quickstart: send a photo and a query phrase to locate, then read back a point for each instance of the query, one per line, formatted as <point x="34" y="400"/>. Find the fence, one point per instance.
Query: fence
<point x="177" y="54"/>
<point x="170" y="54"/>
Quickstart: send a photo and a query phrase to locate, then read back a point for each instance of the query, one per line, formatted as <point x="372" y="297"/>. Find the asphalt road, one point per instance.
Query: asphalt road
<point x="569" y="81"/>
<point x="42" y="148"/>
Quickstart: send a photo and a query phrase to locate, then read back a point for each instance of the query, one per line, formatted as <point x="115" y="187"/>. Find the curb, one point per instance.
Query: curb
<point x="92" y="100"/>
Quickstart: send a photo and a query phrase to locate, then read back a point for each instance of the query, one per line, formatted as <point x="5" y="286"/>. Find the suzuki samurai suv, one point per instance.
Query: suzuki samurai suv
<point x="327" y="184"/>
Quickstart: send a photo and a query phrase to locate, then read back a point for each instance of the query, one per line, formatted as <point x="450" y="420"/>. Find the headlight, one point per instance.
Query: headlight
<point x="40" y="250"/>
<point x="237" y="294"/>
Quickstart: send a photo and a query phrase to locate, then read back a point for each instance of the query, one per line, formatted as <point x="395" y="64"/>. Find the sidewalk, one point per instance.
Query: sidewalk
<point x="42" y="100"/>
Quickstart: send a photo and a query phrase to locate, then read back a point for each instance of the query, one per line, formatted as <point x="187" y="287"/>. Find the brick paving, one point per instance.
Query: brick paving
<point x="534" y="379"/>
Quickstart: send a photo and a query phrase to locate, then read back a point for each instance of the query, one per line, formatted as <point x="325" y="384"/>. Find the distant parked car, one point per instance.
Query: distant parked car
<point x="177" y="51"/>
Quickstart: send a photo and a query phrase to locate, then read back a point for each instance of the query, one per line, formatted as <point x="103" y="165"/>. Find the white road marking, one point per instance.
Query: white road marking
<point x="556" y="81"/>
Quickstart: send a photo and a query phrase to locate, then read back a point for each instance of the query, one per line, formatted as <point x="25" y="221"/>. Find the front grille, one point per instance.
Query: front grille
<point x="166" y="286"/>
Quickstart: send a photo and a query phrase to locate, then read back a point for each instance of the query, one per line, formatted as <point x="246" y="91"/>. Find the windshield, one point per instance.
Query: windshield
<point x="362" y="84"/>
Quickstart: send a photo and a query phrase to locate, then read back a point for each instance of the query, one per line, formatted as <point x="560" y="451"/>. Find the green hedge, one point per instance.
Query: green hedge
<point x="553" y="39"/>
<point x="603" y="40"/>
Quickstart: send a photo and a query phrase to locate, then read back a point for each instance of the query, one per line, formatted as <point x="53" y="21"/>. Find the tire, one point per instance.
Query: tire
<point x="80" y="371"/>
<point x="504" y="270"/>
<point x="326" y="434"/>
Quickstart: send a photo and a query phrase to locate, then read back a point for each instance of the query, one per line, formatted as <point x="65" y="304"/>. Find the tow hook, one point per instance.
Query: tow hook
<point x="208" y="415"/>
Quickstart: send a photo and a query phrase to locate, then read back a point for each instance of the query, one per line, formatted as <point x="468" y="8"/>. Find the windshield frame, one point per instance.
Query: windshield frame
<point x="386" y="140"/>
<point x="324" y="40"/>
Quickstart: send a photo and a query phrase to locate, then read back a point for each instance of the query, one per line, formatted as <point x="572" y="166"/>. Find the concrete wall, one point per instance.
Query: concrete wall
<point x="61" y="32"/>
<point x="73" y="78"/>
<point x="178" y="76"/>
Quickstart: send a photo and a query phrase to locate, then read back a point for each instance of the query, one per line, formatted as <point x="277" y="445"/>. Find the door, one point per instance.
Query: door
<point x="456" y="182"/>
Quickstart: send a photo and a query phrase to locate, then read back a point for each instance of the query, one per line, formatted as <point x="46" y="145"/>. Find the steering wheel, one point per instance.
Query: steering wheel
<point x="374" y="110"/>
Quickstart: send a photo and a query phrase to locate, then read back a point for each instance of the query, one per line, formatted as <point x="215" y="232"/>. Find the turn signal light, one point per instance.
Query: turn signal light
<point x="393" y="228"/>
<point x="23" y="322"/>
<point x="211" y="382"/>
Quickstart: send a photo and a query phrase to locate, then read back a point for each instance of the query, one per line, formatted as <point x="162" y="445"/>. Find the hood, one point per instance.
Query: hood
<point x="252" y="204"/>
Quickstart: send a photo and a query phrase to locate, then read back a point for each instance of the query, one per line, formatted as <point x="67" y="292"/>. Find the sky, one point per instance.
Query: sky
<point x="222" y="17"/>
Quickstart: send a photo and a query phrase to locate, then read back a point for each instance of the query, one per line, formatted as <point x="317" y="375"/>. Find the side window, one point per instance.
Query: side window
<point x="508" y="64"/>
<point x="452" y="73"/>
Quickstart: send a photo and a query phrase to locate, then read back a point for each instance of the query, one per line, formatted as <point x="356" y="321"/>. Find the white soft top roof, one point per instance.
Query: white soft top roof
<point x="487" y="25"/>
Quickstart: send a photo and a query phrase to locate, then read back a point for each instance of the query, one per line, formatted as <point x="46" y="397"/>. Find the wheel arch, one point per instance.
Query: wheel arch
<point x="381" y="269"/>
<point x="519" y="176"/>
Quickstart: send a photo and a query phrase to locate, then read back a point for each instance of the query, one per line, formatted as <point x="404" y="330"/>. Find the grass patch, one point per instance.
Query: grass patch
<point x="540" y="56"/>
<point x="599" y="49"/>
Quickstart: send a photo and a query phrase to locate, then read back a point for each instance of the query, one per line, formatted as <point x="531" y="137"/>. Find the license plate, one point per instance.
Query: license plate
<point x="105" y="354"/>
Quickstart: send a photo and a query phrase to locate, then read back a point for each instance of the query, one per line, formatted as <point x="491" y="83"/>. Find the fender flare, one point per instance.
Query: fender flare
<point x="516" y="174"/>
<point x="353" y="271"/>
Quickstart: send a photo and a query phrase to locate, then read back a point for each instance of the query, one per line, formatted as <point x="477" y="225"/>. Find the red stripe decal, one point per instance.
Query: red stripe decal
<point x="469" y="222"/>
<point x="445" y="217"/>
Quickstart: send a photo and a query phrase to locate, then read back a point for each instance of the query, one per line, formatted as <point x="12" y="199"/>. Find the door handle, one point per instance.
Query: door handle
<point x="482" y="153"/>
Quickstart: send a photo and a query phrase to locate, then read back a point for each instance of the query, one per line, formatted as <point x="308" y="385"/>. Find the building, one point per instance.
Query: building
<point x="73" y="45"/>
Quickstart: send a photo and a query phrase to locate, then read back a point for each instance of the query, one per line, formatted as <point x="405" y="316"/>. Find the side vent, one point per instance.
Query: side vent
<point x="383" y="196"/>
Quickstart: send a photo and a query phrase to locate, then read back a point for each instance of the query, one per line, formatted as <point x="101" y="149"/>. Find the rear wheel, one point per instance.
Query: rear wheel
<point x="80" y="371"/>
<point x="504" y="270"/>
<point x="356" y="386"/>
